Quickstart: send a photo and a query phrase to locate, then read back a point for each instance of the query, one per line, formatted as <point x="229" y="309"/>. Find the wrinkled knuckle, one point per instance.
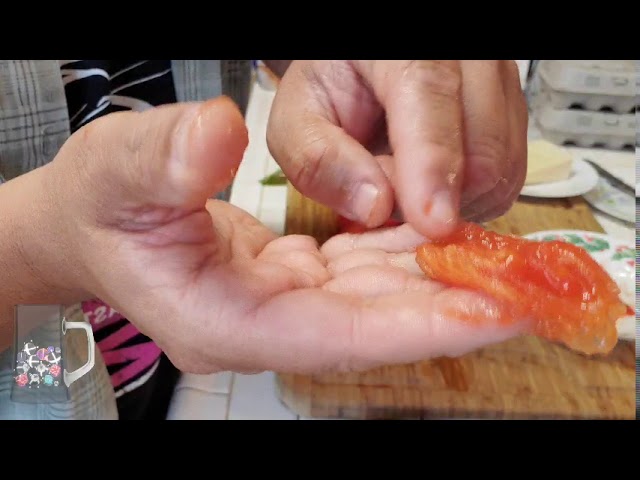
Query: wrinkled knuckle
<point x="440" y="78"/>
<point x="490" y="149"/>
<point x="308" y="161"/>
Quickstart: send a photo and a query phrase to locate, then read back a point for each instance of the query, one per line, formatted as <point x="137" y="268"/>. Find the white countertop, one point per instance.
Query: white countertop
<point x="227" y="396"/>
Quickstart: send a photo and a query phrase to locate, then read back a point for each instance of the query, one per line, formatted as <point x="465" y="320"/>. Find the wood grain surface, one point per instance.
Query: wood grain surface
<point x="525" y="377"/>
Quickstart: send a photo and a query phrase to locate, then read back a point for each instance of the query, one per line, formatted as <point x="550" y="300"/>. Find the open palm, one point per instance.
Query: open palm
<point x="240" y="298"/>
<point x="215" y="289"/>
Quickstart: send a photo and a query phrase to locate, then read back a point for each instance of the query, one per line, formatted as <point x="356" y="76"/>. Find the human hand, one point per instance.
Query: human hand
<point x="214" y="288"/>
<point x="442" y="139"/>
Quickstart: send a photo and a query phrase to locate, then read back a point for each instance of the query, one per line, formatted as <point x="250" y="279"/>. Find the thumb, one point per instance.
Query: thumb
<point x="174" y="156"/>
<point x="423" y="103"/>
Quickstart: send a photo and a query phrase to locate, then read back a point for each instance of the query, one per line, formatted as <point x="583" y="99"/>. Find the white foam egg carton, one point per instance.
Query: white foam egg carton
<point x="596" y="85"/>
<point x="588" y="141"/>
<point x="609" y="65"/>
<point x="586" y="129"/>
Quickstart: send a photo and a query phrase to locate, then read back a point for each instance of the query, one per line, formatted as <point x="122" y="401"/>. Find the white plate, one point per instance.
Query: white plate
<point x="583" y="178"/>
<point x="622" y="165"/>
<point x="616" y="257"/>
<point x="613" y="201"/>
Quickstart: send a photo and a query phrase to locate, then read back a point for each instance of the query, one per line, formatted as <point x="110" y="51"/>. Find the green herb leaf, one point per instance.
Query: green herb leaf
<point x="276" y="178"/>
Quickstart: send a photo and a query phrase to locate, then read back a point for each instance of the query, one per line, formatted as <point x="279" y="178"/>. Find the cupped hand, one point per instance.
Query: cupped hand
<point x="439" y="140"/>
<point x="215" y="288"/>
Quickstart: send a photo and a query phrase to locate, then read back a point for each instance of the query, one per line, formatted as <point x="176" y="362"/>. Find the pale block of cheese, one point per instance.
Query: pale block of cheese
<point x="547" y="163"/>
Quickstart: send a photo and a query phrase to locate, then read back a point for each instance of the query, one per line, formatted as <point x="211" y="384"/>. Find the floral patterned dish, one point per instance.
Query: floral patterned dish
<point x="612" y="201"/>
<point x="616" y="257"/>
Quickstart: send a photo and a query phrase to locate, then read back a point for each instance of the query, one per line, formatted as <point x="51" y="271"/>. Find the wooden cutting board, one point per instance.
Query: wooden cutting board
<point x="522" y="378"/>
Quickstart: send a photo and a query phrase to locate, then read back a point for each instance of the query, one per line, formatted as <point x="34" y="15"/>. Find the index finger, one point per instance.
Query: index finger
<point x="423" y="102"/>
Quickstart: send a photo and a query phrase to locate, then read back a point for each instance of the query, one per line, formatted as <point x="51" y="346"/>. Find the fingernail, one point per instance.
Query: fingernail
<point x="440" y="207"/>
<point x="363" y="201"/>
